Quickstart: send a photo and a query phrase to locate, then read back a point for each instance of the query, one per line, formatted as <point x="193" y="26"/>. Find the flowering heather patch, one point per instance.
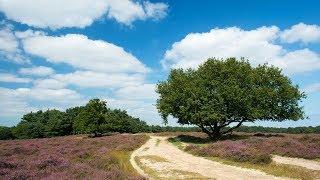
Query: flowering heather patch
<point x="259" y="149"/>
<point x="70" y="157"/>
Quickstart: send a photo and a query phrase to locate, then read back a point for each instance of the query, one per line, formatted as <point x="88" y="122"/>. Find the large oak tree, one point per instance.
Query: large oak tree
<point x="220" y="95"/>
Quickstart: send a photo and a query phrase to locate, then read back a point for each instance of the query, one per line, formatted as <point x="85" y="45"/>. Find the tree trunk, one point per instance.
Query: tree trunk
<point x="215" y="132"/>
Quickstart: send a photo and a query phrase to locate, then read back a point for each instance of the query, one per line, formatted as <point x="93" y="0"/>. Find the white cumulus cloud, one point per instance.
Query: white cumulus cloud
<point x="16" y="102"/>
<point x="50" y="95"/>
<point x="81" y="52"/>
<point x="9" y="46"/>
<point x="37" y="71"/>
<point x="12" y="104"/>
<point x="301" y="33"/>
<point x="49" y="84"/>
<point x="298" y="61"/>
<point x="78" y="13"/>
<point x="97" y="79"/>
<point x="5" y="77"/>
<point x="258" y="45"/>
<point x="141" y="91"/>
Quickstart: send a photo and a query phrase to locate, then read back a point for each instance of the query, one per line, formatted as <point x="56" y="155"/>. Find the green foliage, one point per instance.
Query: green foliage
<point x="120" y="121"/>
<point x="94" y="118"/>
<point x="290" y="130"/>
<point x="224" y="92"/>
<point x="42" y="124"/>
<point x="157" y="128"/>
<point x="6" y="133"/>
<point x="71" y="115"/>
<point x="91" y="117"/>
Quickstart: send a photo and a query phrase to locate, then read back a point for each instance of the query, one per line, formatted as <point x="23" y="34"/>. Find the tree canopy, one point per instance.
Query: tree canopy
<point x="93" y="118"/>
<point x="221" y="95"/>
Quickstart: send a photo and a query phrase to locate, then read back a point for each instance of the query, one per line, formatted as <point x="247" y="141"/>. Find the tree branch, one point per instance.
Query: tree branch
<point x="231" y="129"/>
<point x="205" y="130"/>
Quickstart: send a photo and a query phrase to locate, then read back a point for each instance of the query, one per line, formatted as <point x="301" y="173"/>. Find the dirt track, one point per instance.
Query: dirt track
<point x="159" y="159"/>
<point x="309" y="164"/>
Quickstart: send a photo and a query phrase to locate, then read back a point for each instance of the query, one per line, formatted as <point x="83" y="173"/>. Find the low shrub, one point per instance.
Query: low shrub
<point x="234" y="150"/>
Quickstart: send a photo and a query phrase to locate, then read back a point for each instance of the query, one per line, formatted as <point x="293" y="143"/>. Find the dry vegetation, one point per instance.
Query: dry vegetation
<point x="70" y="157"/>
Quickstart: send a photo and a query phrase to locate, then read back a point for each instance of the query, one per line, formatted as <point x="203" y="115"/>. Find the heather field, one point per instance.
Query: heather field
<point x="70" y="157"/>
<point x="256" y="148"/>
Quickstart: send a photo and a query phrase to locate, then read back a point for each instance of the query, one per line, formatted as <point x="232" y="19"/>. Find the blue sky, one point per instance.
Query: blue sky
<point x="57" y="54"/>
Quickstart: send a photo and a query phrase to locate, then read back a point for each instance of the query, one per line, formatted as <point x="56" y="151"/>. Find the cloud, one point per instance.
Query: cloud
<point x="96" y="63"/>
<point x="5" y="77"/>
<point x="143" y="109"/>
<point x="195" y="48"/>
<point x="28" y="33"/>
<point x="12" y="104"/>
<point x="49" y="84"/>
<point x="97" y="79"/>
<point x="78" y="13"/>
<point x="9" y="45"/>
<point x="81" y="52"/>
<point x="50" y="95"/>
<point x="8" y="42"/>
<point x="138" y="101"/>
<point x="298" y="61"/>
<point x="142" y="91"/>
<point x="16" y="102"/>
<point x="37" y="71"/>
<point x="301" y="33"/>
<point x="156" y="10"/>
<point x="312" y="88"/>
<point x="258" y="45"/>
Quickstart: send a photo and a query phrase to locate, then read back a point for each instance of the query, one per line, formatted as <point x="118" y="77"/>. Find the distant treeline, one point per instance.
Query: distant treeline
<point x="11" y="132"/>
<point x="290" y="130"/>
<point x="95" y="118"/>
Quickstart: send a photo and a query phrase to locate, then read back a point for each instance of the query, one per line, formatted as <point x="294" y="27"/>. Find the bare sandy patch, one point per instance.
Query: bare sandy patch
<point x="309" y="164"/>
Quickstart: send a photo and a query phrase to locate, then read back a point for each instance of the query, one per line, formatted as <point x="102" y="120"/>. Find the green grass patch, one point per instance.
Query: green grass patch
<point x="121" y="159"/>
<point x="175" y="141"/>
<point x="151" y="172"/>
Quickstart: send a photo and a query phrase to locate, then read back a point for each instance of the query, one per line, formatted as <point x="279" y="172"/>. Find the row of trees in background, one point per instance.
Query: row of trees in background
<point x="290" y="130"/>
<point x="93" y="118"/>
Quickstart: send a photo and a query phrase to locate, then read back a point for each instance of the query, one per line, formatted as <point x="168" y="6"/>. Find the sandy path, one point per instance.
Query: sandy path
<point x="176" y="164"/>
<point x="309" y="164"/>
